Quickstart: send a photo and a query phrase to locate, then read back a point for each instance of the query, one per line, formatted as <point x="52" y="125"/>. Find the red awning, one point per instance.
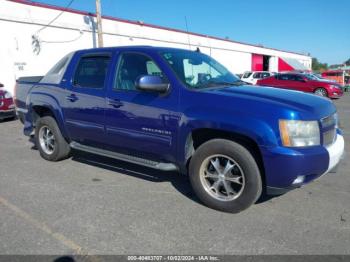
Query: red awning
<point x="290" y="64"/>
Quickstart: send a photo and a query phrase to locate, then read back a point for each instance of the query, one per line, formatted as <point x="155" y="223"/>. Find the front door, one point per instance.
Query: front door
<point x="284" y="81"/>
<point x="140" y="122"/>
<point x="300" y="83"/>
<point x="85" y="98"/>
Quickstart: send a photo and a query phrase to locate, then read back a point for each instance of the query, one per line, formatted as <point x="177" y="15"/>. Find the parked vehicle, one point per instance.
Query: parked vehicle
<point x="173" y="109"/>
<point x="303" y="82"/>
<point x="21" y="100"/>
<point x="320" y="78"/>
<point x="335" y="75"/>
<point x="7" y="108"/>
<point x="253" y="77"/>
<point x="311" y="75"/>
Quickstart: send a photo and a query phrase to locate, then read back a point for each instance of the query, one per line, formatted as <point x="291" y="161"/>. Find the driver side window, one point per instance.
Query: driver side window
<point x="131" y="66"/>
<point x="196" y="74"/>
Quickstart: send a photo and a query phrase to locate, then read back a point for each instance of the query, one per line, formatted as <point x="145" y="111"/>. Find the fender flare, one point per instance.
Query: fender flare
<point x="51" y="103"/>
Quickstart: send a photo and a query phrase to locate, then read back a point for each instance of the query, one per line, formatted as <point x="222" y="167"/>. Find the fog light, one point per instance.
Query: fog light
<point x="299" y="180"/>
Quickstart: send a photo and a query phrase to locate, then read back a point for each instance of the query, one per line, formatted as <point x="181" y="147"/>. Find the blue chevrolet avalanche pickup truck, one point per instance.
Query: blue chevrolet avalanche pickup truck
<point x="173" y="109"/>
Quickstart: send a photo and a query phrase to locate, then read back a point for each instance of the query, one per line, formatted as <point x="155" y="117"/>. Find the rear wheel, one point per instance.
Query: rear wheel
<point x="225" y="176"/>
<point x="321" y="92"/>
<point x="49" y="140"/>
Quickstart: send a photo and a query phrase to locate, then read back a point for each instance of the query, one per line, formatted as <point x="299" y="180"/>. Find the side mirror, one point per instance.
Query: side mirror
<point x="152" y="83"/>
<point x="1" y="85"/>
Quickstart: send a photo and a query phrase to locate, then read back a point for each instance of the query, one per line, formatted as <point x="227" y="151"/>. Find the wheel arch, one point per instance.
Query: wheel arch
<point x="39" y="110"/>
<point x="199" y="136"/>
<point x="321" y="87"/>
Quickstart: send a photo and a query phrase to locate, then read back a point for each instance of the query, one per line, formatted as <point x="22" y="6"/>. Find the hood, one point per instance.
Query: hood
<point x="306" y="106"/>
<point x="325" y="81"/>
<point x="328" y="81"/>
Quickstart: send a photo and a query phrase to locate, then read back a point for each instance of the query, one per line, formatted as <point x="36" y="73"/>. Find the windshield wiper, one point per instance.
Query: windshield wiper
<point x="236" y="83"/>
<point x="216" y="84"/>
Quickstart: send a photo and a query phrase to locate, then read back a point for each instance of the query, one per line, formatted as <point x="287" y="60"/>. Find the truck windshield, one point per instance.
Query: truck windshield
<point x="199" y="71"/>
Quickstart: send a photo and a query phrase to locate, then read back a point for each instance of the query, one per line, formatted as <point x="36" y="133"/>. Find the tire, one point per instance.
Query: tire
<point x="321" y="92"/>
<point x="60" y="149"/>
<point x="237" y="197"/>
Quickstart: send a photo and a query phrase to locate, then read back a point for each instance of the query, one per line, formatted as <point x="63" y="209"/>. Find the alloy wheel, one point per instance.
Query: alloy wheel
<point x="47" y="140"/>
<point x="222" y="177"/>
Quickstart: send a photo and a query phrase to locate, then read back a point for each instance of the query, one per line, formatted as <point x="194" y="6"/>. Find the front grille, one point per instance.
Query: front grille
<point x="329" y="131"/>
<point x="329" y="121"/>
<point x="6" y="114"/>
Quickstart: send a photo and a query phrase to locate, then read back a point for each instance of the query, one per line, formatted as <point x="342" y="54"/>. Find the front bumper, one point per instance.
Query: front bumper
<point x="335" y="93"/>
<point x="4" y="114"/>
<point x="289" y="168"/>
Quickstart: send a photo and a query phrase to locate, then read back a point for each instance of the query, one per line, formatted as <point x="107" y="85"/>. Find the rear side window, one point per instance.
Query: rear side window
<point x="91" y="71"/>
<point x="297" y="78"/>
<point x="264" y="75"/>
<point x="284" y="77"/>
<point x="257" y="75"/>
<point x="247" y="74"/>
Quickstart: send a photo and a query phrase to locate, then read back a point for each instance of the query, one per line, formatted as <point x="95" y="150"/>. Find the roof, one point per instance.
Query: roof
<point x="341" y="68"/>
<point x="75" y="11"/>
<point x="333" y="71"/>
<point x="135" y="47"/>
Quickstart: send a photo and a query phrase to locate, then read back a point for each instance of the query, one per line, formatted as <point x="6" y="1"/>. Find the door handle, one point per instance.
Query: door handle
<point x="72" y="98"/>
<point x="115" y="103"/>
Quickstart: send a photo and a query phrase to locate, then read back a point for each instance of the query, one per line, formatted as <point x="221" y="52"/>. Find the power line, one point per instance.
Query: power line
<point x="63" y="41"/>
<point x="53" y="20"/>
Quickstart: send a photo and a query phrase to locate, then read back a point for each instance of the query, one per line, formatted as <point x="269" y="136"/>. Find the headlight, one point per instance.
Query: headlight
<point x="336" y="87"/>
<point x="296" y="133"/>
<point x="7" y="95"/>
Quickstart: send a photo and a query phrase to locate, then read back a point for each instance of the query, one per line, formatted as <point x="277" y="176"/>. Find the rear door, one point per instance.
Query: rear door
<point x="284" y="81"/>
<point x="256" y="77"/>
<point x="85" y="98"/>
<point x="269" y="81"/>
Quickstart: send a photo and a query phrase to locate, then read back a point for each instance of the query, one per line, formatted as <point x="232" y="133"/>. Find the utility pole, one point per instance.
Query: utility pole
<point x="99" y="23"/>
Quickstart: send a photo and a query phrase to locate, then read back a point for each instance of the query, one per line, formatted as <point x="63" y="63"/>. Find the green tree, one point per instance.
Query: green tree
<point x="347" y="62"/>
<point x="317" y="66"/>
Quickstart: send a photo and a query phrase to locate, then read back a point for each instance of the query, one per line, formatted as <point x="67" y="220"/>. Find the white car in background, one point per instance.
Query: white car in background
<point x="254" y="76"/>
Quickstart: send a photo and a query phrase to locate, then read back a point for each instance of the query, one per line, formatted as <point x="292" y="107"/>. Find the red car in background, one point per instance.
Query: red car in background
<point x="7" y="107"/>
<point x="303" y="82"/>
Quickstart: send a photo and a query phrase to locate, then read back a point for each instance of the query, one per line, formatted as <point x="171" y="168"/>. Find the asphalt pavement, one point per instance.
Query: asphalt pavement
<point x="95" y="205"/>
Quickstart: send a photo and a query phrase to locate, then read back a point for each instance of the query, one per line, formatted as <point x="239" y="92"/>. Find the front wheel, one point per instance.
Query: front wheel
<point x="225" y="176"/>
<point x="321" y="92"/>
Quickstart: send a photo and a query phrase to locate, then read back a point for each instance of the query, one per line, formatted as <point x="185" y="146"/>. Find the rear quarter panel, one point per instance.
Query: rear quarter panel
<point x="49" y="96"/>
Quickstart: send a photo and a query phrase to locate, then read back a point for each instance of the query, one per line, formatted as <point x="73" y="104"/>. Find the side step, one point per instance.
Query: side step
<point x="126" y="158"/>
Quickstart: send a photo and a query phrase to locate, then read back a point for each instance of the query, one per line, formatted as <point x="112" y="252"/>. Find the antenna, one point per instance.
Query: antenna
<point x="188" y="33"/>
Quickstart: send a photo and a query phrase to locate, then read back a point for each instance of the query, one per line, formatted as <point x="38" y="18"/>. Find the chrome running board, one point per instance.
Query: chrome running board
<point x="126" y="158"/>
